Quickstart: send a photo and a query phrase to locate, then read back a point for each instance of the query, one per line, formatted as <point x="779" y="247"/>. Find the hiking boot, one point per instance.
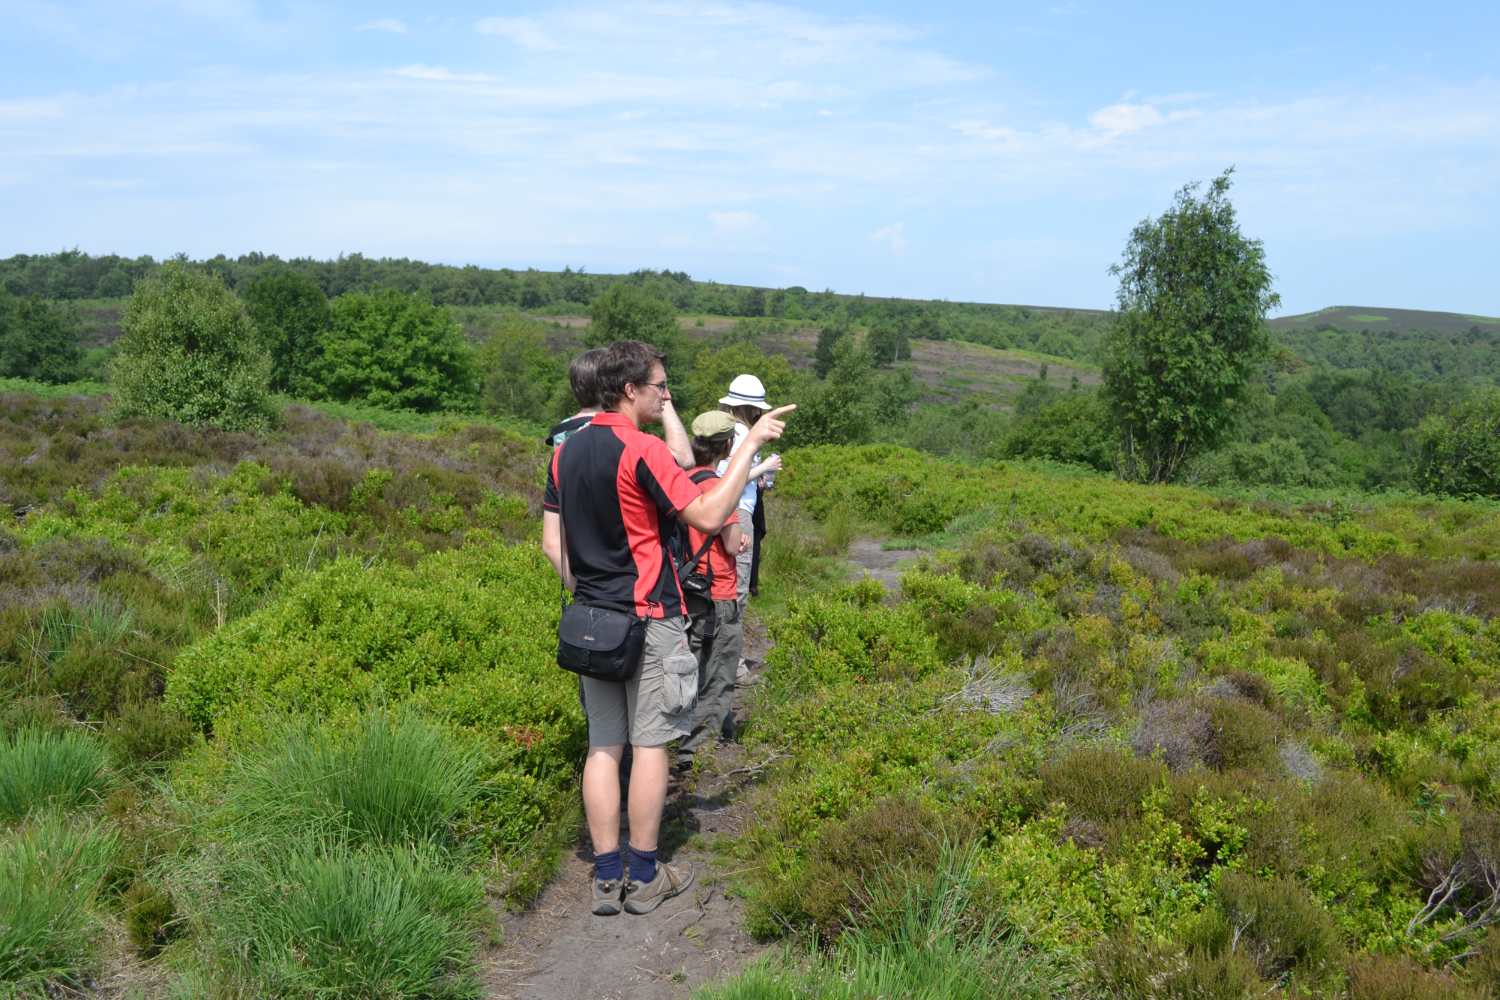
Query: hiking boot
<point x="607" y="893"/>
<point x="643" y="897"/>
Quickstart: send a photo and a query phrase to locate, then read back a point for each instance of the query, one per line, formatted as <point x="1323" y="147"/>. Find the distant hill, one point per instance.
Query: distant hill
<point x="1358" y="318"/>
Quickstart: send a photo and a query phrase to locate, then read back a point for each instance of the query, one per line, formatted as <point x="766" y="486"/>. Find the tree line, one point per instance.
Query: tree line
<point x="1195" y="387"/>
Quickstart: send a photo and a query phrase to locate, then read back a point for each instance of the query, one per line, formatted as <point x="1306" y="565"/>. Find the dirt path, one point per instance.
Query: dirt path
<point x="558" y="950"/>
<point x="880" y="564"/>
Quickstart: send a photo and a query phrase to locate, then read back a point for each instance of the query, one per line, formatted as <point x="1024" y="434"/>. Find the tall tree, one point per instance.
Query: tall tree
<point x="290" y="313"/>
<point x="630" y="312"/>
<point x="189" y="353"/>
<point x="1190" y="331"/>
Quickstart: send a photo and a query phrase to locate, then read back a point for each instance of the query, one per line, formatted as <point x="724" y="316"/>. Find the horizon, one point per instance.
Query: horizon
<point x="966" y="153"/>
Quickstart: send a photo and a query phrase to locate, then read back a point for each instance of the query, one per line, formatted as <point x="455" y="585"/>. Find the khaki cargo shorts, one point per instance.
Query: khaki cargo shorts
<point x="655" y="706"/>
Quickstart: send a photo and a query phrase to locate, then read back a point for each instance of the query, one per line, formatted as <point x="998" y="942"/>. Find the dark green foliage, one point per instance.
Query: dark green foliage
<point x="396" y="351"/>
<point x="521" y="375"/>
<point x="38" y="340"/>
<point x="841" y="409"/>
<point x="149" y="917"/>
<point x="1459" y="451"/>
<point x="146" y="735"/>
<point x="631" y="312"/>
<point x="291" y="314"/>
<point x="1194" y="294"/>
<point x="823" y="353"/>
<point x="190" y="354"/>
<point x="50" y="769"/>
<point x="1074" y="427"/>
<point x="888" y="343"/>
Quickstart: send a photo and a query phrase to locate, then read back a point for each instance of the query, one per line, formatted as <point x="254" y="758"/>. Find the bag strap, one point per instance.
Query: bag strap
<point x="700" y="477"/>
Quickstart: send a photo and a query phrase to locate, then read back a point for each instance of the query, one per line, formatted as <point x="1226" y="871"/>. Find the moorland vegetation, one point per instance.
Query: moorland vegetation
<point x="280" y="716"/>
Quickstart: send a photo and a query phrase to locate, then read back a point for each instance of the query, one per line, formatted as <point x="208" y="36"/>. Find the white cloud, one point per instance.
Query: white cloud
<point x="734" y="223"/>
<point x="31" y="110"/>
<point x="524" y="31"/>
<point x="440" y="74"/>
<point x="386" y="24"/>
<point x="892" y="237"/>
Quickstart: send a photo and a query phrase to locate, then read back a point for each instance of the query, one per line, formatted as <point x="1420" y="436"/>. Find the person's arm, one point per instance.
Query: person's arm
<point x="772" y="464"/>
<point x="732" y="536"/>
<point x="710" y="510"/>
<point x="676" y="435"/>
<point x="555" y="546"/>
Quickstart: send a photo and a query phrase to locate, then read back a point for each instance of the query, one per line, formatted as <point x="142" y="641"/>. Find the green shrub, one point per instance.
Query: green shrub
<point x="147" y="735"/>
<point x="189" y="353"/>
<point x="41" y="768"/>
<point x="848" y="636"/>
<point x="1459" y="451"/>
<point x="306" y="920"/>
<point x="394" y="350"/>
<point x="38" y="340"/>
<point x="51" y="871"/>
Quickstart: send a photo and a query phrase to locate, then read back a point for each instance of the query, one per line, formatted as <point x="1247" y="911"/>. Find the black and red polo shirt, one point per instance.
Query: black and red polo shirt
<point x="618" y="490"/>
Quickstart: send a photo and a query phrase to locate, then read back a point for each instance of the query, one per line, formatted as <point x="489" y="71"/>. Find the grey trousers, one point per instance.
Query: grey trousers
<point x="718" y="657"/>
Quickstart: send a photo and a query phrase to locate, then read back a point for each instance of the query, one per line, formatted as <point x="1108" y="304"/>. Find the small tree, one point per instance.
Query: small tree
<point x="841" y="408"/>
<point x="189" y="353"/>
<point x="38" y="340"/>
<point x="888" y="343"/>
<point x="396" y="351"/>
<point x="630" y="312"/>
<point x="519" y="373"/>
<point x="1459" y="451"/>
<point x="1190" y="332"/>
<point x="828" y="338"/>
<point x="290" y="313"/>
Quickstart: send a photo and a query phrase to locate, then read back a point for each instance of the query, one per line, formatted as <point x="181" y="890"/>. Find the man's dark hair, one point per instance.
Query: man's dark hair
<point x="625" y="362"/>
<point x="712" y="451"/>
<point x="583" y="377"/>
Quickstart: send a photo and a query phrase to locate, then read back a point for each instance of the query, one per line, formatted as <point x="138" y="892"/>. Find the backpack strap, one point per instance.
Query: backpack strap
<point x="700" y="477"/>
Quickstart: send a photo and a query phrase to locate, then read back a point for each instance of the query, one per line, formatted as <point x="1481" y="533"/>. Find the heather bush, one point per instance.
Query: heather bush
<point x="1127" y="968"/>
<point x="1277" y="924"/>
<point x="1393" y="977"/>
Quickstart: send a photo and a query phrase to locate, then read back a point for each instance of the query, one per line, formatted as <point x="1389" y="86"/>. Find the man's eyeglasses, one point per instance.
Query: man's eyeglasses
<point x="658" y="386"/>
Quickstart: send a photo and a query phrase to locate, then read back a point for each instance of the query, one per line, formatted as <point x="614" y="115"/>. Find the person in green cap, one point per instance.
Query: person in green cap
<point x="710" y="585"/>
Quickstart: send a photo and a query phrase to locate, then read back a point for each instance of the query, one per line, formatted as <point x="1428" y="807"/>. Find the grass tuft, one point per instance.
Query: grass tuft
<point x="51" y="872"/>
<point x="41" y="767"/>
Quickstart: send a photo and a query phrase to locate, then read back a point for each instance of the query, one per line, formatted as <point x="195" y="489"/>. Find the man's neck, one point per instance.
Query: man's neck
<point x="628" y="412"/>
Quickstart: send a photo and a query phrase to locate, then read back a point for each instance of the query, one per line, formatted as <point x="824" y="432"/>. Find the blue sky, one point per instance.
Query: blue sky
<point x="992" y="152"/>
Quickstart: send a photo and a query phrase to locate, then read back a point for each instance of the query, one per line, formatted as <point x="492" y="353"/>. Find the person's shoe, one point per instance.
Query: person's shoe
<point x="607" y="893"/>
<point x="643" y="897"/>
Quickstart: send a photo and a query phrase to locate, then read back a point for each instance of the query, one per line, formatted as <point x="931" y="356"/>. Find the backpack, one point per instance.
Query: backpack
<point x="693" y="570"/>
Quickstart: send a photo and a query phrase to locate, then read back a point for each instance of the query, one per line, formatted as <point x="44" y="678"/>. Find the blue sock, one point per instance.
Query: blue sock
<point x="607" y="866"/>
<point x="642" y="865"/>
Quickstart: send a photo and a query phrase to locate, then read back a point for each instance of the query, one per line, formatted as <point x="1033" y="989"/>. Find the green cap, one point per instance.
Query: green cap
<point x="714" y="423"/>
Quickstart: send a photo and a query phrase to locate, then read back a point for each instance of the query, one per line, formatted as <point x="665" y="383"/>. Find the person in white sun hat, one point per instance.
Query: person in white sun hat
<point x="746" y="402"/>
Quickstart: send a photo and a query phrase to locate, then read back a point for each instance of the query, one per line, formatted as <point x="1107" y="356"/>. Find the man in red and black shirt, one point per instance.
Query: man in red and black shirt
<point x="617" y="490"/>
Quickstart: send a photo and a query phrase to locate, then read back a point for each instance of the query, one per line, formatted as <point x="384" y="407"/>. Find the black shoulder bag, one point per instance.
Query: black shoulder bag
<point x="598" y="642"/>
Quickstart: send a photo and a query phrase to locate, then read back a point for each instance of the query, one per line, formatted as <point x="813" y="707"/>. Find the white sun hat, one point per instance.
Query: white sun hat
<point x="746" y="390"/>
